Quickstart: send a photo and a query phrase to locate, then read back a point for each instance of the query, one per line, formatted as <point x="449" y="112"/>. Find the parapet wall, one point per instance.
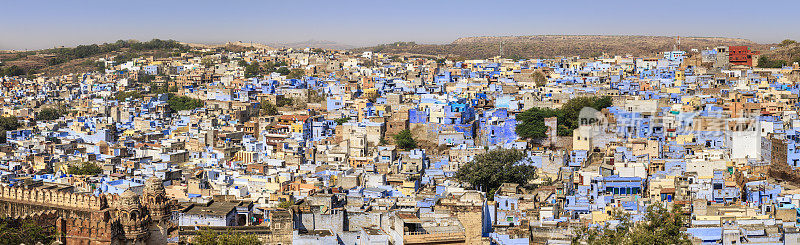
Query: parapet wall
<point x="51" y="198"/>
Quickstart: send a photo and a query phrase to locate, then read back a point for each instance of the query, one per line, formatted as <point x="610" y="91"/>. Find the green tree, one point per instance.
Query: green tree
<point x="101" y="67"/>
<point x="229" y="237"/>
<point x="9" y="123"/>
<point x="252" y="70"/>
<point x="368" y="63"/>
<point x="269" y="67"/>
<point x="155" y="88"/>
<point x="12" y="71"/>
<point x="286" y="204"/>
<point x="283" y="101"/>
<point x="296" y="74"/>
<point x="489" y="170"/>
<point x="531" y="122"/>
<point x="63" y="55"/>
<point x="532" y="126"/>
<point x="236" y="238"/>
<point x="342" y="120"/>
<point x="404" y="140"/>
<point x="571" y="110"/>
<point x="122" y="95"/>
<point x="283" y="71"/>
<point x="207" y="62"/>
<point x="86" y="168"/>
<point x="25" y="232"/>
<point x="659" y="226"/>
<point x="539" y="78"/>
<point x="787" y="42"/>
<point x="6" y="124"/>
<point x="50" y="113"/>
<point x="765" y="62"/>
<point x="125" y="57"/>
<point x="146" y="78"/>
<point x="268" y="108"/>
<point x="206" y="237"/>
<point x="181" y="103"/>
<point x="315" y="97"/>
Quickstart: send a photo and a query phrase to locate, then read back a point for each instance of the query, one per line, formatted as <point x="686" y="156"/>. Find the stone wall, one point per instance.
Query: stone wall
<point x="333" y="220"/>
<point x="78" y="218"/>
<point x="356" y="220"/>
<point x="471" y="218"/>
<point x="51" y="198"/>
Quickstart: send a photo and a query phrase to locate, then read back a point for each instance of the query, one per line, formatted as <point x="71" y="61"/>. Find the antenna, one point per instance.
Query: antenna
<point x="501" y="47"/>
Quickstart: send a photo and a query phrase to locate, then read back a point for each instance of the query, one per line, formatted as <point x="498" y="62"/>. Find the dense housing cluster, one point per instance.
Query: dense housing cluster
<point x="313" y="146"/>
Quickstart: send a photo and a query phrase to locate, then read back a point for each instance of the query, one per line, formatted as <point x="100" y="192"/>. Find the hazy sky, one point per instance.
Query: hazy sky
<point x="33" y="24"/>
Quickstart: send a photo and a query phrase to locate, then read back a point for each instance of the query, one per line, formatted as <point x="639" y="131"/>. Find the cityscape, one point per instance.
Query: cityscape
<point x="495" y="138"/>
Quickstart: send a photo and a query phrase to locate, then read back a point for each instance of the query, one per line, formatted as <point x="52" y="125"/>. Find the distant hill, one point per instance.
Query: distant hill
<point x="780" y="54"/>
<point x="547" y="46"/>
<point x="240" y="46"/>
<point x="65" y="60"/>
<point x="233" y="46"/>
<point x="315" y="44"/>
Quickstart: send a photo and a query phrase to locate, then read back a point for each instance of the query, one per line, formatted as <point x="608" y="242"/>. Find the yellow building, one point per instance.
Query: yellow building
<point x="409" y="187"/>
